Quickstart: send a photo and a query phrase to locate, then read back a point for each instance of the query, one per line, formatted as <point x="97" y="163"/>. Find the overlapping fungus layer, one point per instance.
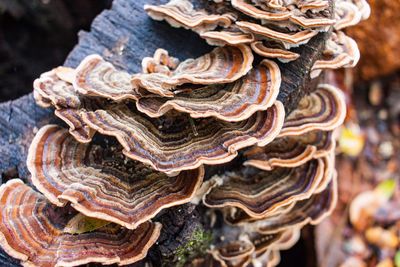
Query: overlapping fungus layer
<point x="286" y="184"/>
<point x="222" y="65"/>
<point x="259" y="193"/>
<point x="98" y="196"/>
<point x="233" y="108"/>
<point x="257" y="90"/>
<point x="291" y="151"/>
<point x="100" y="183"/>
<point x="271" y="28"/>
<point x="322" y="110"/>
<point x="32" y="230"/>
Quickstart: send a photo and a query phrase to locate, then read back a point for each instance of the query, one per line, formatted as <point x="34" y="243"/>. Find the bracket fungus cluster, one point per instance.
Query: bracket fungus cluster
<point x="34" y="231"/>
<point x="272" y="28"/>
<point x="158" y="131"/>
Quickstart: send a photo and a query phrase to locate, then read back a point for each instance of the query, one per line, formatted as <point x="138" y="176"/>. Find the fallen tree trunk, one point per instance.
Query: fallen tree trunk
<point x="123" y="36"/>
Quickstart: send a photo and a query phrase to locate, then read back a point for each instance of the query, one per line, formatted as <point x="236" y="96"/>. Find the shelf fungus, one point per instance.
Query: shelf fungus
<point x="291" y="151"/>
<point x="289" y="23"/>
<point x="347" y="14"/>
<point x="289" y="39"/>
<point x="182" y="13"/>
<point x="269" y="255"/>
<point x="101" y="196"/>
<point x="257" y="199"/>
<point x="38" y="233"/>
<point x="323" y="109"/>
<point x="270" y="49"/>
<point x="250" y="249"/>
<point x="97" y="78"/>
<point x="238" y="216"/>
<point x="100" y="183"/>
<point x="171" y="148"/>
<point x="341" y="51"/>
<point x="54" y="88"/>
<point x="309" y="211"/>
<point x="222" y="65"/>
<point x="364" y="8"/>
<point x="247" y="114"/>
<point x="310" y="5"/>
<point x="235" y="101"/>
<point x="350" y="12"/>
<point x="259" y="193"/>
<point x="237" y="253"/>
<point x="230" y="36"/>
<point x="161" y="62"/>
<point x="294" y="15"/>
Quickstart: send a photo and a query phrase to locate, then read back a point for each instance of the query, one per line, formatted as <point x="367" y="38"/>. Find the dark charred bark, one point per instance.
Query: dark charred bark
<point x="124" y="35"/>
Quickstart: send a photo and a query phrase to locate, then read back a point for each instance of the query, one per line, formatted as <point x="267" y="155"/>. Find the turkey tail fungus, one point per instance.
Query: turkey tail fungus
<point x="214" y="132"/>
<point x="32" y="230"/>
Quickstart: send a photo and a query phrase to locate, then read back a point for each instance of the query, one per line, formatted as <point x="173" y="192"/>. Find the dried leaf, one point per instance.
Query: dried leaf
<point x="82" y="224"/>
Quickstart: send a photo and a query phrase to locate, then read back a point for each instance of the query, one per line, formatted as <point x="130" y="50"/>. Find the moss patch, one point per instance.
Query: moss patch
<point x="196" y="246"/>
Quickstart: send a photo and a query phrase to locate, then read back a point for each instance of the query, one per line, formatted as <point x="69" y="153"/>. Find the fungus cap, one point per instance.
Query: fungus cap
<point x="312" y="5"/>
<point x="160" y="62"/>
<point x="347" y="14"/>
<point x="181" y="13"/>
<point x="259" y="193"/>
<point x="299" y="18"/>
<point x="288" y="39"/>
<point x="251" y="10"/>
<point x="291" y="151"/>
<point x="185" y="144"/>
<point x="100" y="182"/>
<point x="235" y="101"/>
<point x="323" y="109"/>
<point x="240" y="217"/>
<point x="233" y="254"/>
<point x="32" y="230"/>
<point x="274" y="50"/>
<point x="96" y="77"/>
<point x="190" y="143"/>
<point x="54" y="88"/>
<point x="222" y="65"/>
<point x="341" y="51"/>
<point x="308" y="211"/>
<point x="227" y="37"/>
<point x="50" y="88"/>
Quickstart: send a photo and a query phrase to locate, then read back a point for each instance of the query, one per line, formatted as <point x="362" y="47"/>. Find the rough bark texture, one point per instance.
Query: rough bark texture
<point x="124" y="35"/>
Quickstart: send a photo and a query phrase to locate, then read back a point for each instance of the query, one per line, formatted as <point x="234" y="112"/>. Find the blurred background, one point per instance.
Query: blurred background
<point x="36" y="35"/>
<point x="364" y="230"/>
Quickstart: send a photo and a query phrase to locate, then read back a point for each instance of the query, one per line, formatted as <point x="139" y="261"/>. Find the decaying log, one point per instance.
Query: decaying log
<point x="124" y="35"/>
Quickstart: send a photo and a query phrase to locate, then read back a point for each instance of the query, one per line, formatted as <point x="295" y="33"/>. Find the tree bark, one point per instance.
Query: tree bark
<point x="124" y="35"/>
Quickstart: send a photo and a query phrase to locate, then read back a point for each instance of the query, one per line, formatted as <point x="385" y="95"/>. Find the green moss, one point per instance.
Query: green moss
<point x="196" y="246"/>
